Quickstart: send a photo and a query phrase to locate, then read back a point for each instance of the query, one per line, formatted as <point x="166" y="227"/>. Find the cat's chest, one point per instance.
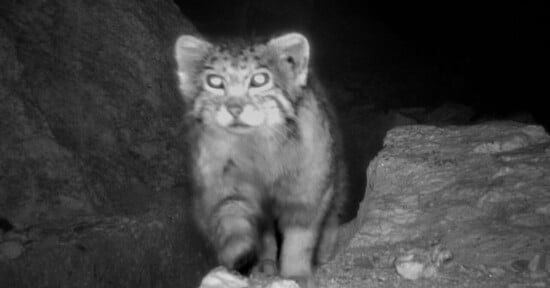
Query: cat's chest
<point x="258" y="158"/>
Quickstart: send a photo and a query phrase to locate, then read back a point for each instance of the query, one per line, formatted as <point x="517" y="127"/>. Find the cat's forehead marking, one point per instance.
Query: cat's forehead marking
<point x="226" y="58"/>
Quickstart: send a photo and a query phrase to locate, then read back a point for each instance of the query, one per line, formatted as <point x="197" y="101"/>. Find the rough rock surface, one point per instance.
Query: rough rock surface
<point x="461" y="206"/>
<point x="92" y="170"/>
<point x="89" y="107"/>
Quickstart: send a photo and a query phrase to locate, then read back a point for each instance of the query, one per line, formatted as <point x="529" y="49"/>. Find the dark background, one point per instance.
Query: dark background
<point x="94" y="187"/>
<point x="395" y="54"/>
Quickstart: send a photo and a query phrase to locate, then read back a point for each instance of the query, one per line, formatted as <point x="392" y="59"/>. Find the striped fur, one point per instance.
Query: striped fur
<point x="266" y="154"/>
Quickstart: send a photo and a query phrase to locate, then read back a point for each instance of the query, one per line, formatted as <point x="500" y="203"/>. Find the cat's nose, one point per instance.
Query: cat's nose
<point x="234" y="109"/>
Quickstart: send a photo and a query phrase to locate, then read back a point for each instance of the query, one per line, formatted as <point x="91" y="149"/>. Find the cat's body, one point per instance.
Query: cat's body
<point x="266" y="154"/>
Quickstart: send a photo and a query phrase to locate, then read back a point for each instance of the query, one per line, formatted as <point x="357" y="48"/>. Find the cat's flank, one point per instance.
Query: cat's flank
<point x="267" y="163"/>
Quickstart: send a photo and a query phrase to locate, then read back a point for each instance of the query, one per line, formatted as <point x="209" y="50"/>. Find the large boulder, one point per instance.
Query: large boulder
<point x="92" y="162"/>
<point x="460" y="206"/>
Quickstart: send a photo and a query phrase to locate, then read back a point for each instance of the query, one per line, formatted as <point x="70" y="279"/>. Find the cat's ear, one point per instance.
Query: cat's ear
<point x="189" y="50"/>
<point x="292" y="51"/>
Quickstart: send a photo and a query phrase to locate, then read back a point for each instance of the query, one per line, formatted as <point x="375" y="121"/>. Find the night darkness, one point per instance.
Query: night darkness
<point x="484" y="55"/>
<point x="102" y="156"/>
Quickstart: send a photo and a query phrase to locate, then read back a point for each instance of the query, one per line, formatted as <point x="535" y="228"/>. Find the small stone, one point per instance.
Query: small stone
<point x="537" y="266"/>
<point x="544" y="209"/>
<point x="410" y="270"/>
<point x="497" y="271"/>
<point x="221" y="278"/>
<point x="534" y="264"/>
<point x="440" y="255"/>
<point x="11" y="249"/>
<point x="283" y="284"/>
<point x="156" y="225"/>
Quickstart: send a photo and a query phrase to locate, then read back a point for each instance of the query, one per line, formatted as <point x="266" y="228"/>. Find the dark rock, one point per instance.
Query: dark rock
<point x="91" y="114"/>
<point x="5" y="225"/>
<point x="90" y="135"/>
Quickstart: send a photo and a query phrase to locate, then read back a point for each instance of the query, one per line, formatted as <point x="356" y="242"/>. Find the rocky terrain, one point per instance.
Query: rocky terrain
<point x="94" y="185"/>
<point x="92" y="154"/>
<point x="459" y="206"/>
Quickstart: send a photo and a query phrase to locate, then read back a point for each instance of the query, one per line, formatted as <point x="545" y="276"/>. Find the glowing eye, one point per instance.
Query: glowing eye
<point x="214" y="81"/>
<point x="259" y="79"/>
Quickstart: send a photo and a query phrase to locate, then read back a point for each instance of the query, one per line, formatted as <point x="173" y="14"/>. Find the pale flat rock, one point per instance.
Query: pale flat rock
<point x="422" y="263"/>
<point x="220" y="277"/>
<point x="480" y="191"/>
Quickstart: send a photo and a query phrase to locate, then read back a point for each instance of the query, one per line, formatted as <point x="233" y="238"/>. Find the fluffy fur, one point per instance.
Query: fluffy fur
<point x="267" y="161"/>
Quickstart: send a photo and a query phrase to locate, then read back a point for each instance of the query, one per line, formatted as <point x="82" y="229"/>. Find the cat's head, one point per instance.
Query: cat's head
<point x="240" y="87"/>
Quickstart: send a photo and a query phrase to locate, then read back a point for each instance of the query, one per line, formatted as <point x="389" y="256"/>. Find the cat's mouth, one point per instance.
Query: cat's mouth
<point x="238" y="126"/>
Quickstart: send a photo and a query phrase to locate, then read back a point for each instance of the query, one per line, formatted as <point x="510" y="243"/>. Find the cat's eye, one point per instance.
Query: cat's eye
<point x="259" y="79"/>
<point x="214" y="81"/>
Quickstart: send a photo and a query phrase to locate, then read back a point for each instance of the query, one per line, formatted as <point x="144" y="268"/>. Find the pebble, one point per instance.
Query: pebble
<point x="221" y="278"/>
<point x="420" y="263"/>
<point x="283" y="284"/>
<point x="497" y="271"/>
<point x="534" y="263"/>
<point x="11" y="249"/>
<point x="537" y="267"/>
<point x="545" y="210"/>
<point x="410" y="270"/>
